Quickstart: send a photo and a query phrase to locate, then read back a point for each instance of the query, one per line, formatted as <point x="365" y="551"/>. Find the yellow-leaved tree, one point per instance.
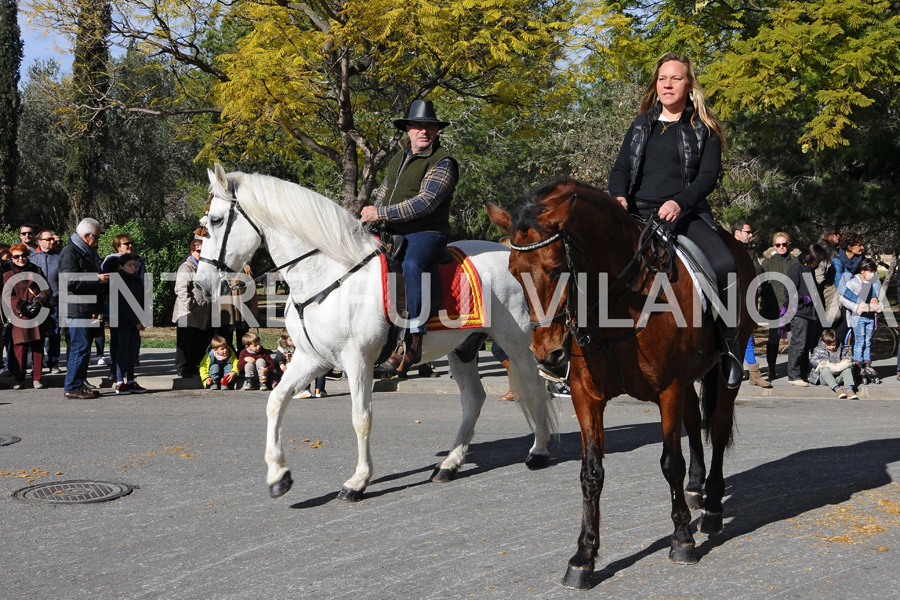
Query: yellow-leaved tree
<point x="328" y="77"/>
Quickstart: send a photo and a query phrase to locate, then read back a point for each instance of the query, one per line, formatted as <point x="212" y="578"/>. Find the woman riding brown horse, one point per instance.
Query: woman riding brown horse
<point x="633" y="325"/>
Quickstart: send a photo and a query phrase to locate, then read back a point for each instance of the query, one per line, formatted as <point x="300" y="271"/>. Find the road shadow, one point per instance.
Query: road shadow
<point x="509" y="452"/>
<point x="802" y="482"/>
<point x="784" y="489"/>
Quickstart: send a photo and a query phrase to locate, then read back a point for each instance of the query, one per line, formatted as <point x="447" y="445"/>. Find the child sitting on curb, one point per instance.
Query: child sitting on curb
<point x="219" y="366"/>
<point x="255" y="361"/>
<point x="831" y="364"/>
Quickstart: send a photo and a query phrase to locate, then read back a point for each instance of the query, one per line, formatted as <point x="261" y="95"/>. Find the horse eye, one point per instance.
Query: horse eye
<point x="556" y="272"/>
<point x="215" y="221"/>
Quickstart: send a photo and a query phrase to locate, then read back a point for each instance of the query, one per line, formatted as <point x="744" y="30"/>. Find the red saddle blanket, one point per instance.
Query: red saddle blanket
<point x="462" y="301"/>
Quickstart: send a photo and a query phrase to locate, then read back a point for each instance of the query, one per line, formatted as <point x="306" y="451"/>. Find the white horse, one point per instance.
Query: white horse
<point x="332" y="266"/>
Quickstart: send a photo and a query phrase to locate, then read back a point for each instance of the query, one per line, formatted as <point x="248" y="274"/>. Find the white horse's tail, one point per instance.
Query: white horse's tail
<point x="535" y="402"/>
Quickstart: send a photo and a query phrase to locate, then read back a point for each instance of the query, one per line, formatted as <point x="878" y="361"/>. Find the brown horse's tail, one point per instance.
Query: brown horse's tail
<point x="714" y="408"/>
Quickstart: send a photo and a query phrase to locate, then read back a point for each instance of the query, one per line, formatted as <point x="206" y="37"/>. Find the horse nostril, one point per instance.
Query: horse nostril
<point x="555" y="358"/>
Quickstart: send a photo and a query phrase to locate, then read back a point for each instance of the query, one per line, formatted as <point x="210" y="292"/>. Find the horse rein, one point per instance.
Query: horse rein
<point x="649" y="237"/>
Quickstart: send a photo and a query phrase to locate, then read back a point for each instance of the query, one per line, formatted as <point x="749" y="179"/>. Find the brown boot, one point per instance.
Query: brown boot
<point x="756" y="377"/>
<point x="413" y="352"/>
<point x="511" y="394"/>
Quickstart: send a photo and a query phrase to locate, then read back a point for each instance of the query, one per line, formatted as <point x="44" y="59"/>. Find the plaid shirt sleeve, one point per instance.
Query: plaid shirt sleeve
<point x="436" y="187"/>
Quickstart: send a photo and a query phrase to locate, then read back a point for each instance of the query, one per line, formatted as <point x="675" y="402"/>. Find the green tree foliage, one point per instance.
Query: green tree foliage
<point x="10" y="61"/>
<point x="87" y="122"/>
<point x="147" y="169"/>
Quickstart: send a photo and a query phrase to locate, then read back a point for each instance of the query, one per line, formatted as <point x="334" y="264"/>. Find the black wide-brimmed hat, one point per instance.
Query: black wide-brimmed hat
<point x="423" y="112"/>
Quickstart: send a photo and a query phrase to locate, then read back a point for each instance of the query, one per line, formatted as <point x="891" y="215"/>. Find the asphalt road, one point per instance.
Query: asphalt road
<point x="813" y="509"/>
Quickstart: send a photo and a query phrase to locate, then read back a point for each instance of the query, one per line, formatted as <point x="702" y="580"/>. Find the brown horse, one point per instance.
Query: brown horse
<point x="566" y="229"/>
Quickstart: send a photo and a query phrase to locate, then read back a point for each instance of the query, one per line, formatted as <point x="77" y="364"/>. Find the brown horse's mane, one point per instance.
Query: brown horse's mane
<point x="526" y="215"/>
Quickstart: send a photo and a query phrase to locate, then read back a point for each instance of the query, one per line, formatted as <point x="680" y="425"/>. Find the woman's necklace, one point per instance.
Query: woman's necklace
<point x="666" y="125"/>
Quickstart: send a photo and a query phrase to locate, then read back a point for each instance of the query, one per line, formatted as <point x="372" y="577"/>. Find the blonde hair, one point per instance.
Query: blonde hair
<point x="781" y="234"/>
<point x="249" y="339"/>
<point x="218" y="342"/>
<point x="697" y="95"/>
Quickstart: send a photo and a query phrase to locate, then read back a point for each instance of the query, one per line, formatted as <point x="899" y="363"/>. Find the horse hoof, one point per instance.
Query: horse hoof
<point x="711" y="522"/>
<point x="683" y="554"/>
<point x="577" y="578"/>
<point x="281" y="487"/>
<point x="350" y="495"/>
<point x="444" y="475"/>
<point x="694" y="500"/>
<point x="537" y="461"/>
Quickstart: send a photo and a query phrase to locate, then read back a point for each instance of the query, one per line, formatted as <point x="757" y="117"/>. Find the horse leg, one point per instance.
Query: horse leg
<point x="360" y="376"/>
<point x="581" y="565"/>
<point x="671" y="402"/>
<point x="721" y="426"/>
<point x="535" y="402"/>
<point x="298" y="372"/>
<point x="693" y="492"/>
<point x="471" y="396"/>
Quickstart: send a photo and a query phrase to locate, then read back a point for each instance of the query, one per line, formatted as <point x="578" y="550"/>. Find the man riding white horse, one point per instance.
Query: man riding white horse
<point x="414" y="201"/>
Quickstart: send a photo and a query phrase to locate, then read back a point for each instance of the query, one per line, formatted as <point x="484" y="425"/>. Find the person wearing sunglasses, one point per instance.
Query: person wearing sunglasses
<point x="25" y="303"/>
<point x="28" y="236"/>
<point x="777" y="259"/>
<point x="48" y="260"/>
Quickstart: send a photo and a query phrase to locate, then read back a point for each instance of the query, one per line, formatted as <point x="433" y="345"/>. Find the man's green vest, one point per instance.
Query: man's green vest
<point x="404" y="183"/>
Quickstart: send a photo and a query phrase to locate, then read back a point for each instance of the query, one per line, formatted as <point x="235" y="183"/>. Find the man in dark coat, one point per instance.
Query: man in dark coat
<point x="81" y="288"/>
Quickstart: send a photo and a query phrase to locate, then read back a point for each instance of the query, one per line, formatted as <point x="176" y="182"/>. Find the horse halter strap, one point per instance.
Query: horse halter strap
<point x="568" y="244"/>
<point x="233" y="211"/>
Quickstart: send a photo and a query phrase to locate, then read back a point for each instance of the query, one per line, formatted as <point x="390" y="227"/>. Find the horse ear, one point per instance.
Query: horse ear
<point x="498" y="216"/>
<point x="221" y="179"/>
<point x="558" y="215"/>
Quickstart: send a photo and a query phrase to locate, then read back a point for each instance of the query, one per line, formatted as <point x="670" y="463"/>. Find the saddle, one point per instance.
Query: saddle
<point x="461" y="299"/>
<point x="706" y="282"/>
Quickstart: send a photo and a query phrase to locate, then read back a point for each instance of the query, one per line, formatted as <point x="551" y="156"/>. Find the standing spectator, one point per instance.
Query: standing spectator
<point x="127" y="326"/>
<point x="743" y="232"/>
<point x="4" y="320"/>
<point x="83" y="283"/>
<point x="846" y="264"/>
<point x="804" y="325"/>
<point x="860" y="298"/>
<point x="27" y="235"/>
<point x="122" y="244"/>
<point x="48" y="261"/>
<point x="829" y="239"/>
<point x="773" y="295"/>
<point x="25" y="301"/>
<point x="191" y="316"/>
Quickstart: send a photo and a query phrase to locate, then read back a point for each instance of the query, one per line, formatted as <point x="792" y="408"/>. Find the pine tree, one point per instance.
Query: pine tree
<point x="10" y="102"/>
<point x="90" y="79"/>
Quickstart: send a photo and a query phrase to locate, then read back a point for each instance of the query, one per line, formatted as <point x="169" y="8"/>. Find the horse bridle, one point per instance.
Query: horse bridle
<point x="570" y="313"/>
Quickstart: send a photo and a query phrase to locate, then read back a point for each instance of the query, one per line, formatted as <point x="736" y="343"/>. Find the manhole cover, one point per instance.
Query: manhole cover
<point x="73" y="492"/>
<point x="9" y="440"/>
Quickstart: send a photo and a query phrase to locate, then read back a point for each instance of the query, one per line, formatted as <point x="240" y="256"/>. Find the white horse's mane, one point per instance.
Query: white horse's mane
<point x="304" y="214"/>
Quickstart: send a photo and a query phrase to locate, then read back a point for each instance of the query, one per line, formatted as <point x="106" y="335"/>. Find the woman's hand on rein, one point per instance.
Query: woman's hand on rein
<point x="669" y="211"/>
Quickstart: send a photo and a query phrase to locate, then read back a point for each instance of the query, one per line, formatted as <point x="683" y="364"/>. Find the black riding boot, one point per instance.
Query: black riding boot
<point x="731" y="358"/>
